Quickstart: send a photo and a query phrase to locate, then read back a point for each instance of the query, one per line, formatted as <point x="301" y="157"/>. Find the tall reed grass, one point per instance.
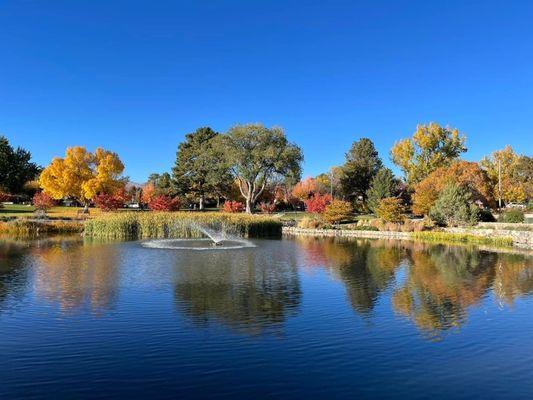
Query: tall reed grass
<point x="447" y="237"/>
<point x="153" y="225"/>
<point x="29" y="228"/>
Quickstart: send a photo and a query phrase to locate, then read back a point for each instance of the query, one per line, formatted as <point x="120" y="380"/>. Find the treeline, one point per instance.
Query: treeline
<point x="252" y="167"/>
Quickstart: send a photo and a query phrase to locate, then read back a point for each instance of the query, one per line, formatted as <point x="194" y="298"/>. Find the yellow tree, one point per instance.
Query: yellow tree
<point x="514" y="185"/>
<point x="82" y="175"/>
<point x="432" y="146"/>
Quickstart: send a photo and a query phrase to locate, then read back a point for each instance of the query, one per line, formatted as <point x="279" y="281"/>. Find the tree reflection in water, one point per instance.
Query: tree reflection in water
<point x="76" y="275"/>
<point x="432" y="285"/>
<point x="249" y="291"/>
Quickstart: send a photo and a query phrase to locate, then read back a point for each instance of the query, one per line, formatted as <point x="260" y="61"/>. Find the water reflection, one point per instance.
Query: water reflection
<point x="431" y="285"/>
<point x="249" y="291"/>
<point x="75" y="275"/>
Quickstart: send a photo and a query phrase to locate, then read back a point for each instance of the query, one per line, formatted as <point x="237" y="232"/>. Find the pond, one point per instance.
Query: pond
<point x="292" y="318"/>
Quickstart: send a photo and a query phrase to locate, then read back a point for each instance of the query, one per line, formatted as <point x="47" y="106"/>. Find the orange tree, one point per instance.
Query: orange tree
<point x="467" y="175"/>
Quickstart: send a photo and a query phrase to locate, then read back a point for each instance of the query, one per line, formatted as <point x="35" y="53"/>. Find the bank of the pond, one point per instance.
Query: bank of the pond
<point x="494" y="237"/>
<point x="31" y="228"/>
<point x="153" y="225"/>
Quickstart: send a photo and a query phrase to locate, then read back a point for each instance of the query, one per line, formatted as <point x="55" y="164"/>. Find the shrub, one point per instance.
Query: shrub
<point x="231" y="206"/>
<point x="107" y="202"/>
<point x="310" y="223"/>
<point x="486" y="216"/>
<point x="390" y="209"/>
<point x="317" y="203"/>
<point x="512" y="216"/>
<point x="267" y="208"/>
<point x="42" y="202"/>
<point x="164" y="203"/>
<point x="338" y="211"/>
<point x="454" y="207"/>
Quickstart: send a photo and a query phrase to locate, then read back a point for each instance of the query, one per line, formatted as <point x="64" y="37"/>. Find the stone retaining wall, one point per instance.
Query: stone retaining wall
<point x="520" y="238"/>
<point x="347" y="233"/>
<point x="523" y="239"/>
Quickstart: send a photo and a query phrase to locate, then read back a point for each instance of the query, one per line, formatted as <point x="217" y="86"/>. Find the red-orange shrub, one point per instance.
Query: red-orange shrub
<point x="231" y="206"/>
<point x="108" y="202"/>
<point x="267" y="208"/>
<point x="41" y="201"/>
<point x="164" y="203"/>
<point x="317" y="203"/>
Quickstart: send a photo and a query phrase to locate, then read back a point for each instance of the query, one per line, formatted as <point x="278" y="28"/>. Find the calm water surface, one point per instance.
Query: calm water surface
<point x="293" y="318"/>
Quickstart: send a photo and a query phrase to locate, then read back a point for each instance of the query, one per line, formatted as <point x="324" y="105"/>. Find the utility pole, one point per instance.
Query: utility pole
<point x="500" y="184"/>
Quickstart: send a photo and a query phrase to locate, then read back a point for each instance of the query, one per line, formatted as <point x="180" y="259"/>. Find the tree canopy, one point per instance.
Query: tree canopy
<point x="362" y="163"/>
<point x="256" y="155"/>
<point x="82" y="175"/>
<point x="467" y="175"/>
<point x="516" y="174"/>
<point x="200" y="169"/>
<point x="16" y="168"/>
<point x="432" y="146"/>
<point x="383" y="185"/>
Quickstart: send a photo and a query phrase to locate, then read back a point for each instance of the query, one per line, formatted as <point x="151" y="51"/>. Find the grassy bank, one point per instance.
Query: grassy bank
<point x="144" y="225"/>
<point x="447" y="237"/>
<point x="25" y="228"/>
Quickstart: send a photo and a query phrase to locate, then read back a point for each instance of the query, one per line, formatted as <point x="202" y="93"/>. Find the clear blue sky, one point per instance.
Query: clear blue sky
<point x="135" y="76"/>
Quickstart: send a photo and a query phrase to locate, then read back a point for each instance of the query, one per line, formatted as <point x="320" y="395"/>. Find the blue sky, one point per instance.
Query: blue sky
<point x="136" y="76"/>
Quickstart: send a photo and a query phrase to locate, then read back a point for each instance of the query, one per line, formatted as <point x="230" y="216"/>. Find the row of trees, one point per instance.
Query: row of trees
<point x="431" y="166"/>
<point x="257" y="165"/>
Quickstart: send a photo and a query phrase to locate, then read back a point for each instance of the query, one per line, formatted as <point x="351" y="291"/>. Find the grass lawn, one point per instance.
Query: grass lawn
<point x="24" y="211"/>
<point x="298" y="215"/>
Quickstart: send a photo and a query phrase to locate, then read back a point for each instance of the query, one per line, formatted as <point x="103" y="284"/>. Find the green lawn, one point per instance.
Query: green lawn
<point x="24" y="211"/>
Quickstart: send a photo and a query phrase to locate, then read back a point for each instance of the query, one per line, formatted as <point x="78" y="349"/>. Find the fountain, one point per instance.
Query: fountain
<point x="218" y="239"/>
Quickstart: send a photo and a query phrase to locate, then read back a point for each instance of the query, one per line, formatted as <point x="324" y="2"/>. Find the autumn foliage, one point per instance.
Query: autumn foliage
<point x="338" y="211"/>
<point x="305" y="189"/>
<point x="390" y="209"/>
<point x="108" y="202"/>
<point x="267" y="208"/>
<point x="317" y="203"/>
<point x="41" y="201"/>
<point x="164" y="203"/>
<point x="467" y="175"/>
<point x="82" y="174"/>
<point x="231" y="206"/>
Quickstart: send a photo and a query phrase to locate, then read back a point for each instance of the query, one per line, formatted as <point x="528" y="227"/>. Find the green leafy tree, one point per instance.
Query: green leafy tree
<point x="257" y="155"/>
<point x="432" y="146"/>
<point x="162" y="183"/>
<point x="454" y="207"/>
<point x="382" y="185"/>
<point x="200" y="169"/>
<point x="362" y="164"/>
<point x="16" y="167"/>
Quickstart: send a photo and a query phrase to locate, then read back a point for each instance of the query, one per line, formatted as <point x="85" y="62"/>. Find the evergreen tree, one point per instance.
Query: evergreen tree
<point x="454" y="207"/>
<point x="200" y="170"/>
<point x="362" y="164"/>
<point x="382" y="185"/>
<point x="15" y="167"/>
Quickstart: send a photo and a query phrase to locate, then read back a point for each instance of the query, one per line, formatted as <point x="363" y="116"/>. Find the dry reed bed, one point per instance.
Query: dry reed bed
<point x="152" y="225"/>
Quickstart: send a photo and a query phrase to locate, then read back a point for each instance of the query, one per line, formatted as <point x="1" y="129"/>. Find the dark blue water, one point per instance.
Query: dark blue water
<point x="295" y="318"/>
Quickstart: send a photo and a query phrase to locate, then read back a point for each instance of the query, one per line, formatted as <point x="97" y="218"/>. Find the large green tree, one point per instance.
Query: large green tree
<point x="362" y="164"/>
<point x="200" y="169"/>
<point x="257" y="155"/>
<point x="16" y="167"/>
<point x="432" y="146"/>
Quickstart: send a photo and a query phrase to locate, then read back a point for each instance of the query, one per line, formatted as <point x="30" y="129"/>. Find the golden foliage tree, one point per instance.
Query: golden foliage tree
<point x="432" y="146"/>
<point x="467" y="175"/>
<point x="82" y="175"/>
<point x="516" y="176"/>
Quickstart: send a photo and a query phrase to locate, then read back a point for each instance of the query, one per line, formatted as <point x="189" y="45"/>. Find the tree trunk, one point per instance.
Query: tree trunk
<point x="249" y="205"/>
<point x="201" y="205"/>
<point x="86" y="208"/>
